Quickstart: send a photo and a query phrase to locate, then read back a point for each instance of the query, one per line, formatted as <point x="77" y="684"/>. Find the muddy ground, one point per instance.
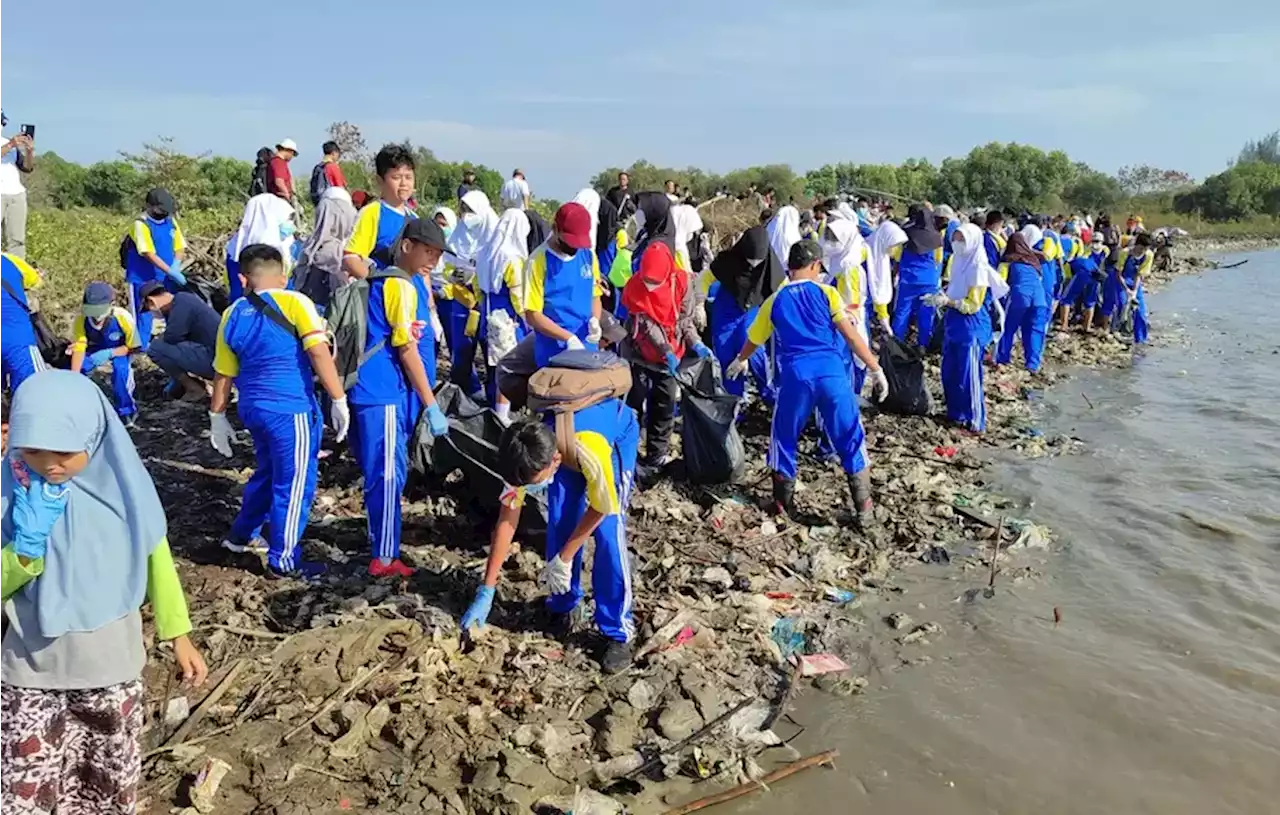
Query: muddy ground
<point x="358" y="695"/>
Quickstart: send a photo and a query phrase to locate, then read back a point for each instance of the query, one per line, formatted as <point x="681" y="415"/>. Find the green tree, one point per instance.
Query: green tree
<point x="114" y="185"/>
<point x="58" y="183"/>
<point x="225" y="182"/>
<point x="1243" y="191"/>
<point x="1265" y="150"/>
<point x="1092" y="191"/>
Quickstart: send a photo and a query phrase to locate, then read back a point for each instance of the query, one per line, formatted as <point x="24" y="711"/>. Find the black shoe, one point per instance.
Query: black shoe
<point x="784" y="491"/>
<point x="616" y="657"/>
<point x="863" y="508"/>
<point x="306" y="572"/>
<point x="562" y="626"/>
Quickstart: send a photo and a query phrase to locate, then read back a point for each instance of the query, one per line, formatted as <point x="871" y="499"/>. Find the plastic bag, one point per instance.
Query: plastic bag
<point x="903" y="366"/>
<point x="713" y="452"/>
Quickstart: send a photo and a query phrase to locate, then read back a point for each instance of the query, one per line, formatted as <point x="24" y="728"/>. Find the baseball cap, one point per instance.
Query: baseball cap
<point x="287" y="144"/>
<point x="573" y="225"/>
<point x="98" y="297"/>
<point x="149" y="288"/>
<point x="804" y="253"/>
<point x="425" y="231"/>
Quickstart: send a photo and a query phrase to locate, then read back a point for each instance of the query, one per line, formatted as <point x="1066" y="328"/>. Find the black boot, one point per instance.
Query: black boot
<point x="860" y="488"/>
<point x="784" y="490"/>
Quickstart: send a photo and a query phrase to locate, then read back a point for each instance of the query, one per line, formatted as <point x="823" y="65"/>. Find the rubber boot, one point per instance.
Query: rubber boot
<point x="784" y="490"/>
<point x="860" y="488"/>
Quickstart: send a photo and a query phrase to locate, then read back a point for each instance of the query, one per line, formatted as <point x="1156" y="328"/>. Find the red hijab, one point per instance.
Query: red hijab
<point x="657" y="290"/>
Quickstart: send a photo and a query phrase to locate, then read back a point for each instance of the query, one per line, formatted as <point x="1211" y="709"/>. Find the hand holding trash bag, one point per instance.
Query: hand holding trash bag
<point x="175" y="271"/>
<point x="478" y="612"/>
<point x="673" y="363"/>
<point x="879" y="384"/>
<point x="702" y="351"/>
<point x="436" y="420"/>
<point x="573" y="343"/>
<point x="935" y="300"/>
<point x="557" y="576"/>
<point x="735" y="369"/>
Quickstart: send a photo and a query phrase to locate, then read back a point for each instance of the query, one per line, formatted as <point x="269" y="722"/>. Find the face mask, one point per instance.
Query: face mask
<point x="286" y="230"/>
<point x="539" y="488"/>
<point x="448" y="230"/>
<point x="471" y="220"/>
<point x="863" y="211"/>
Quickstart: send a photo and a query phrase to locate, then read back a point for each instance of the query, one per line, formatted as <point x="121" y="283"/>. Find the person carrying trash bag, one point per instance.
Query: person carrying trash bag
<point x="1133" y="266"/>
<point x="582" y="453"/>
<point x="808" y="324"/>
<point x="660" y="305"/>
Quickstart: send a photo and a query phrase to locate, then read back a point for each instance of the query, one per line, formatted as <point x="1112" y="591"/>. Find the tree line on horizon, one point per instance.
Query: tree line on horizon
<point x="1011" y="176"/>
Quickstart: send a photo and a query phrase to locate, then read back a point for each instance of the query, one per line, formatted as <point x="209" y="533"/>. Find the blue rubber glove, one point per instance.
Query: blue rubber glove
<point x="702" y="351"/>
<point x="175" y="271"/>
<point x="673" y="363"/>
<point x="96" y="360"/>
<point x="436" y="420"/>
<point x="35" y="510"/>
<point x="478" y="612"/>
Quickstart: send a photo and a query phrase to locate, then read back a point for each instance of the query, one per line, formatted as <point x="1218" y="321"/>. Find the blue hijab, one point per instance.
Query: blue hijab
<point x="95" y="568"/>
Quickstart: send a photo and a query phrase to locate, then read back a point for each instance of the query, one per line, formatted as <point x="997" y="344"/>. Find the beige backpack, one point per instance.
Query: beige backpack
<point x="595" y="377"/>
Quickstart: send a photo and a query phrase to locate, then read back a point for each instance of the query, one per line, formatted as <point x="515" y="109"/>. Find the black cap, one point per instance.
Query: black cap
<point x="149" y="288"/>
<point x="804" y="253"/>
<point x="425" y="231"/>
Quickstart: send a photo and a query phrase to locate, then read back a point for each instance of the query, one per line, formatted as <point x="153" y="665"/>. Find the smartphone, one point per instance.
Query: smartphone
<point x="29" y="131"/>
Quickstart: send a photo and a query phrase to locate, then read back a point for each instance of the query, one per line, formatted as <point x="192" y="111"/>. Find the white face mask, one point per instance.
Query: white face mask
<point x="471" y="220"/>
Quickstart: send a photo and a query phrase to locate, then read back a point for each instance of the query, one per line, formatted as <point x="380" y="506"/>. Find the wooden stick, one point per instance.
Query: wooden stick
<point x="184" y="730"/>
<point x="743" y="789"/>
<point x="212" y="734"/>
<point x="991" y="582"/>
<point x="336" y="697"/>
<point x="251" y="632"/>
<point x="678" y="746"/>
<point x="1087" y="400"/>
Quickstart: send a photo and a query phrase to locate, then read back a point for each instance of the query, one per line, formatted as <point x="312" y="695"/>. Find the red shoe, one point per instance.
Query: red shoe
<point x="393" y="569"/>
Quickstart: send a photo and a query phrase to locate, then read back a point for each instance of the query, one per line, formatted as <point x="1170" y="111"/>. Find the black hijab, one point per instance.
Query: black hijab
<point x="658" y="225"/>
<point x="1017" y="250"/>
<point x="606" y="227"/>
<point x="922" y="236"/>
<point x="538" y="230"/>
<point x="748" y="285"/>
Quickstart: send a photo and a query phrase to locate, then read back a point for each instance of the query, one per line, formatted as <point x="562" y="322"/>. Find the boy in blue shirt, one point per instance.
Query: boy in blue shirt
<point x="587" y="499"/>
<point x="155" y="253"/>
<point x="272" y="343"/>
<point x="105" y="334"/>
<point x="807" y="322"/>
<point x="372" y="244"/>
<point x="17" y="338"/>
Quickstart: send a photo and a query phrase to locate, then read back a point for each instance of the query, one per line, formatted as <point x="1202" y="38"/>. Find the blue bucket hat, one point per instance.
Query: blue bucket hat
<point x="98" y="298"/>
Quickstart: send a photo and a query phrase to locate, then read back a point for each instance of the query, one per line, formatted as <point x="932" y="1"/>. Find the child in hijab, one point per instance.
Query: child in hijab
<point x="268" y="219"/>
<point x="319" y="272"/>
<point x="153" y="251"/>
<point x="919" y="274"/>
<point x="748" y="272"/>
<point x="1028" y="309"/>
<point x="500" y="283"/>
<point x="104" y="334"/>
<point x="660" y="305"/>
<point x="84" y="546"/>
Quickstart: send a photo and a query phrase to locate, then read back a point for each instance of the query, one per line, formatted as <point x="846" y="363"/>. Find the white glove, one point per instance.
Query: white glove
<point x="340" y="418"/>
<point x="935" y="300"/>
<point x="574" y="344"/>
<point x="886" y="325"/>
<point x="220" y="433"/>
<point x="594" y="332"/>
<point x="437" y="327"/>
<point x="557" y="576"/>
<point x="879" y="384"/>
<point x="735" y="369"/>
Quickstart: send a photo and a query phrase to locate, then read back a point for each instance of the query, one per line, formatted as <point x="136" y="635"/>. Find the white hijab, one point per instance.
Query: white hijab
<point x="590" y="200"/>
<point x="264" y="217"/>
<point x="970" y="267"/>
<point x="509" y="245"/>
<point x="879" y="267"/>
<point x="1033" y="234"/>
<point x="784" y="232"/>
<point x="846" y="251"/>
<point x="450" y="224"/>
<point x="467" y="243"/>
<point x="687" y="222"/>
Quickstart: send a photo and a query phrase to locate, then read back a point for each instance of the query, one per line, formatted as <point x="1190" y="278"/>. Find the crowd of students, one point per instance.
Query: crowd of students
<point x="794" y="302"/>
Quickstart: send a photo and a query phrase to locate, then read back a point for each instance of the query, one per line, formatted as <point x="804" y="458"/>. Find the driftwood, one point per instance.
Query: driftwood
<point x="763" y="784"/>
<point x="184" y="730"/>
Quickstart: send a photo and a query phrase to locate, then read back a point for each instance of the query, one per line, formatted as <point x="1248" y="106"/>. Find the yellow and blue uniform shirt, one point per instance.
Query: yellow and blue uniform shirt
<point x="393" y="307"/>
<point x="19" y="276"/>
<point x="595" y="461"/>
<point x="562" y="290"/>
<point x="802" y="319"/>
<point x="118" y="329"/>
<point x="269" y="365"/>
<point x="377" y="228"/>
<point x="160" y="238"/>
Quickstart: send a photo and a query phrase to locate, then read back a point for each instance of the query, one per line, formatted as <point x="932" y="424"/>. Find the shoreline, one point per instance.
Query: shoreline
<point x="521" y="717"/>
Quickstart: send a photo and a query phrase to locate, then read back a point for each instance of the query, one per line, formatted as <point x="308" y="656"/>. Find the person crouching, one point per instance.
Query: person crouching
<point x="105" y="334"/>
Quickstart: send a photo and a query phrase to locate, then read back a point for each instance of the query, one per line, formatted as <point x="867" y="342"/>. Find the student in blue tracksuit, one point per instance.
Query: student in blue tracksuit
<point x="105" y="334"/>
<point x="748" y="273"/>
<point x="372" y="244"/>
<point x="562" y="288"/>
<point x="1050" y="248"/>
<point x="1027" y="311"/>
<point x="392" y="388"/>
<point x="17" y="338"/>
<point x="807" y="321"/>
<point x="967" y="327"/>
<point x="585" y="499"/>
<point x="1082" y="290"/>
<point x="272" y="345"/>
<point x="919" y="274"/>
<point x="1135" y="264"/>
<point x="155" y="254"/>
<point x="993" y="239"/>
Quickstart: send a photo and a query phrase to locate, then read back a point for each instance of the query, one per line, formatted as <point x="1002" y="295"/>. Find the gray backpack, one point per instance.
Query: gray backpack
<point x="348" y="318"/>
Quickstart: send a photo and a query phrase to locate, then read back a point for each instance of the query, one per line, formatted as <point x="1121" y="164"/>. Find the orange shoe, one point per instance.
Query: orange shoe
<point x="393" y="569"/>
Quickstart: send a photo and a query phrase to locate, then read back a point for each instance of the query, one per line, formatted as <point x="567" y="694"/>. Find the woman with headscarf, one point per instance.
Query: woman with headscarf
<point x="85" y="545"/>
<point x="268" y="219"/>
<point x="966" y="326"/>
<point x="319" y="272"/>
<point x="610" y="241"/>
<point x="468" y="243"/>
<point x="885" y="240"/>
<point x="784" y="233"/>
<point x="654" y="224"/>
<point x="660" y="304"/>
<point x="1028" y="309"/>
<point x="748" y="272"/>
<point x="590" y="200"/>
<point x="499" y="284"/>
<point x="442" y="287"/>
<point x="919" y="274"/>
<point x="844" y="256"/>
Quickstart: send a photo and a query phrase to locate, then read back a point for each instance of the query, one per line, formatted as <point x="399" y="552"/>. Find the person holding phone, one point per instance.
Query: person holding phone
<point x="17" y="157"/>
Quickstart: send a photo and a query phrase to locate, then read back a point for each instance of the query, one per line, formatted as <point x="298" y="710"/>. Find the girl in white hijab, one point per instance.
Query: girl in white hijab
<point x="474" y="233"/>
<point x="499" y="280"/>
<point x="844" y="252"/>
<point x="880" y="268"/>
<point x="688" y="223"/>
<point x="590" y="200"/>
<point x="967" y="326"/>
<point x="267" y="219"/>
<point x="784" y="232"/>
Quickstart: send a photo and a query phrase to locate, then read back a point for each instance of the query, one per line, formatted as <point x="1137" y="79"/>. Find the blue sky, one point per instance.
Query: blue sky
<point x="565" y="88"/>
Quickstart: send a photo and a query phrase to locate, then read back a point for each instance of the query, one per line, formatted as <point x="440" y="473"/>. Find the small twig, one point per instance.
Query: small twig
<point x="680" y="745"/>
<point x="991" y="582"/>
<point x="180" y="735"/>
<point x="212" y="734"/>
<point x="164" y="708"/>
<point x="342" y="693"/>
<point x="753" y="786"/>
<point x="1087" y="400"/>
<point x="293" y="773"/>
<point x="250" y="632"/>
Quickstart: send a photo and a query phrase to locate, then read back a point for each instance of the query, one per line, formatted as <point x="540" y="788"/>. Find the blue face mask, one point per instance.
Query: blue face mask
<point x="286" y="229"/>
<point x="539" y="488"/>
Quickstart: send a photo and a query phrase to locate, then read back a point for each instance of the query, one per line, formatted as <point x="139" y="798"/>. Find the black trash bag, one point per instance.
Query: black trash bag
<point x="472" y="447"/>
<point x="903" y="366"/>
<point x="52" y="348"/>
<point x="713" y="451"/>
<point x="209" y="291"/>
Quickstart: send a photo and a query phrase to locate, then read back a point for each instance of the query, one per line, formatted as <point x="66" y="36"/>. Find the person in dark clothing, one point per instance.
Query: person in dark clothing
<point x="185" y="351"/>
<point x="468" y="183"/>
